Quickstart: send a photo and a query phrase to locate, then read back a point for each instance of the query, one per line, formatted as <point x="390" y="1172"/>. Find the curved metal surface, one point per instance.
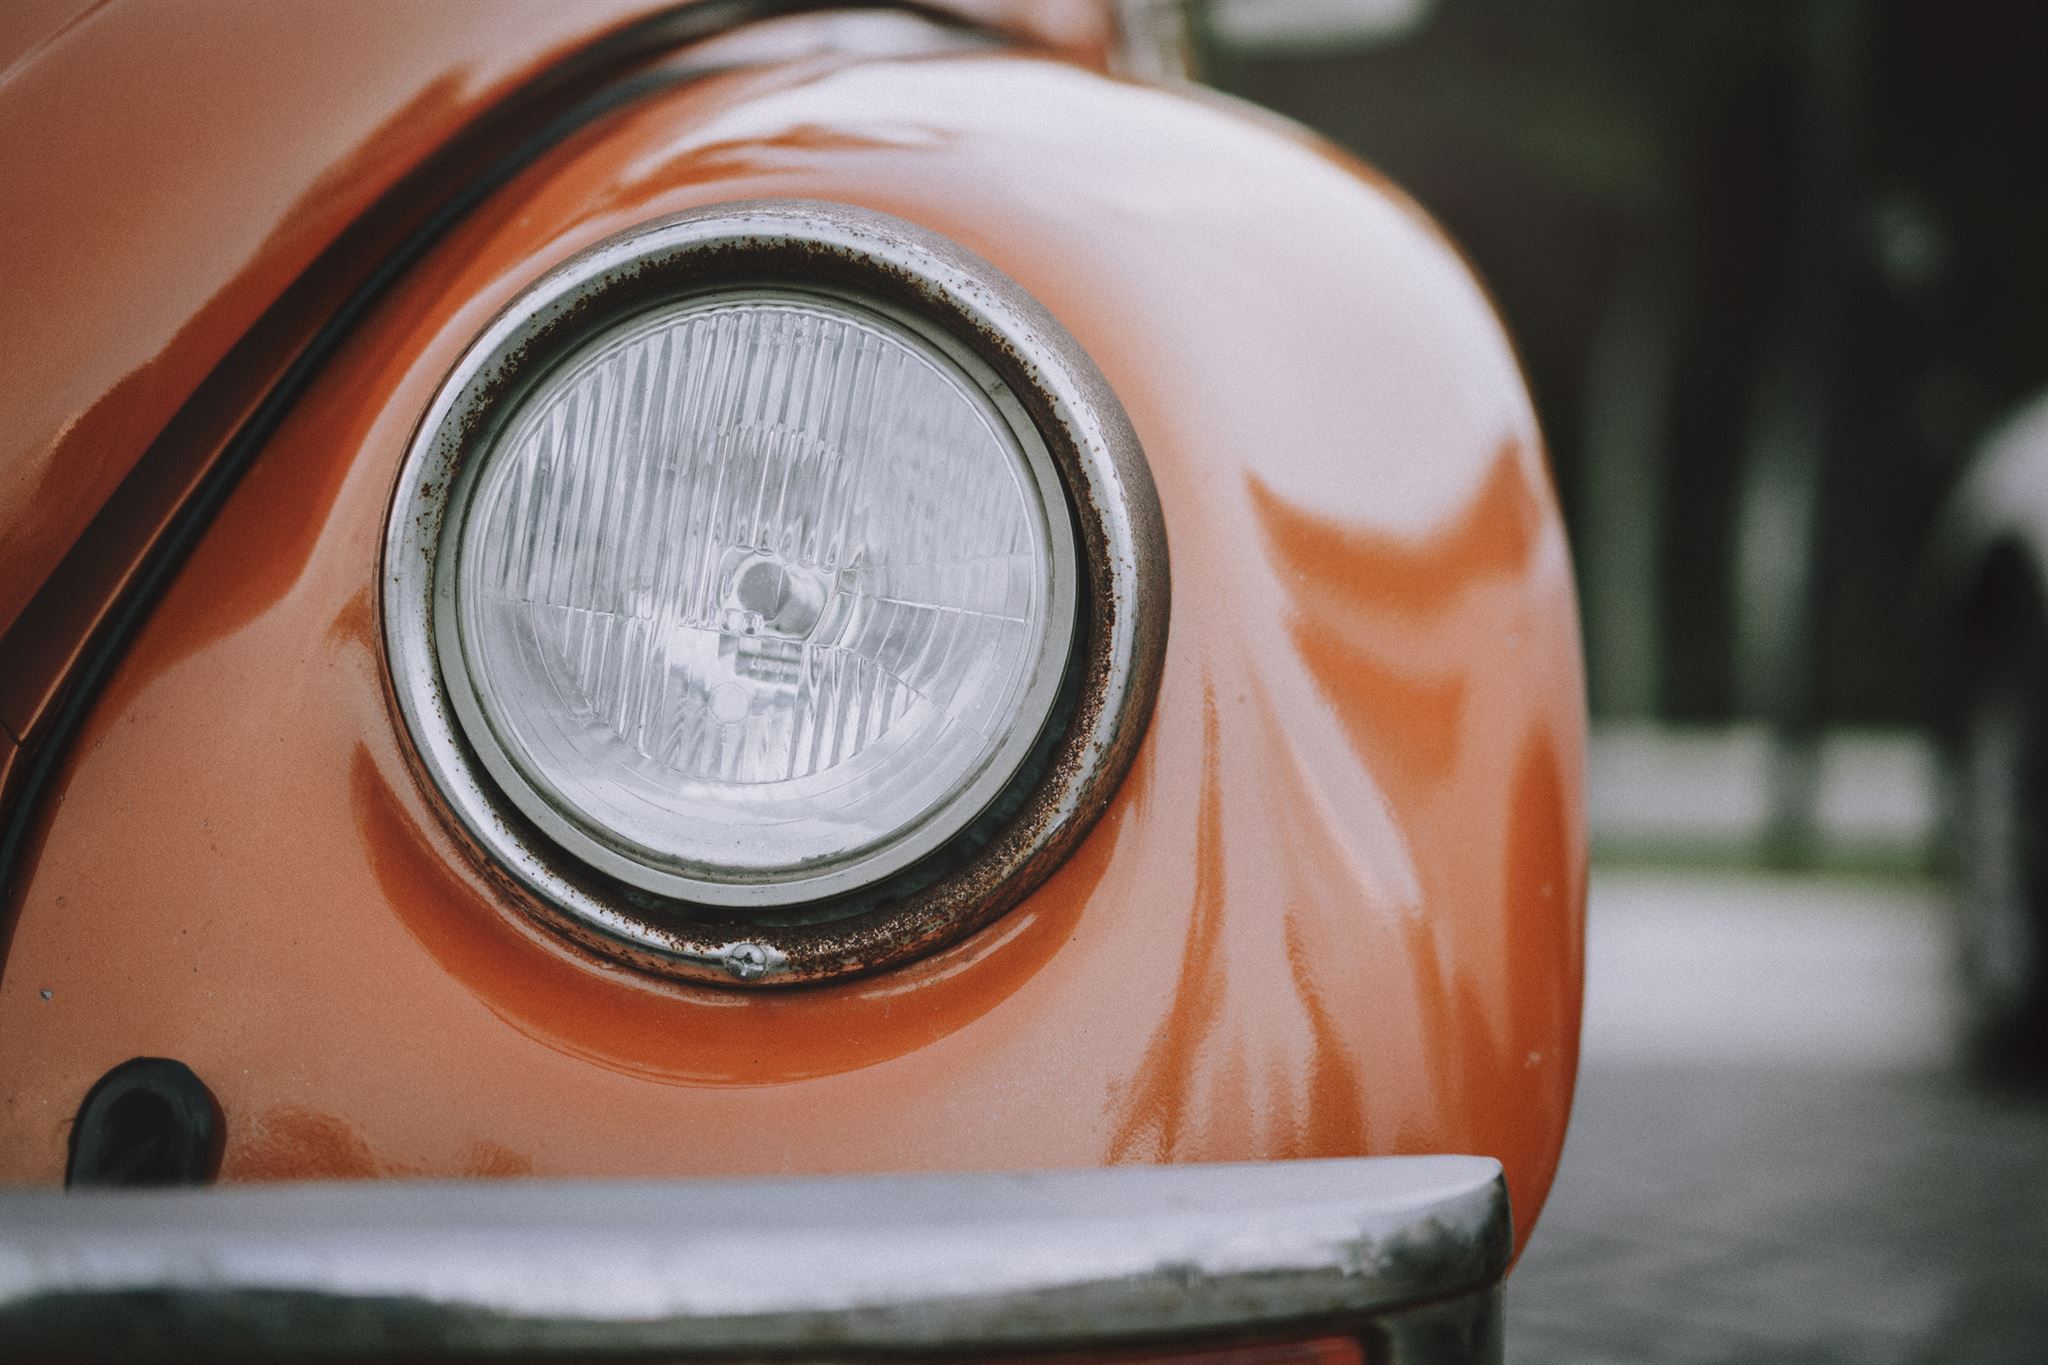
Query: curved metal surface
<point x="1060" y="403"/>
<point x="129" y="282"/>
<point x="153" y="218"/>
<point x="890" y="1263"/>
<point x="1335" y="908"/>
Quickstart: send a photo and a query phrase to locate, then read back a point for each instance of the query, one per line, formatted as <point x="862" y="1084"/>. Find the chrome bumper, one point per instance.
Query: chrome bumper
<point x="1406" y="1252"/>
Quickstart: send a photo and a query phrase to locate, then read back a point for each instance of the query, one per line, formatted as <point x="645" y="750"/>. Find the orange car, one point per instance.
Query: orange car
<point x="599" y="732"/>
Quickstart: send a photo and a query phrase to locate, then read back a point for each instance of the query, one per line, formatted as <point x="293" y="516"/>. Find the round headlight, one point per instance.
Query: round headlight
<point x="759" y="597"/>
<point x="772" y="592"/>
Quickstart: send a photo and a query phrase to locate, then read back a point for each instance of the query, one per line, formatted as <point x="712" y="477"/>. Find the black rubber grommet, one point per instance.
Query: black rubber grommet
<point x="149" y="1121"/>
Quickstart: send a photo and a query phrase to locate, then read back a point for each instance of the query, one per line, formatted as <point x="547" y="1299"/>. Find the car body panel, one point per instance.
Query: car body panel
<point x="172" y="169"/>
<point x="1335" y="909"/>
<point x="1999" y="509"/>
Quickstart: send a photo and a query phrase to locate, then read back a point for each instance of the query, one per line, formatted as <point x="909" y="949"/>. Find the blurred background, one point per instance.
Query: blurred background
<point x="1779" y="273"/>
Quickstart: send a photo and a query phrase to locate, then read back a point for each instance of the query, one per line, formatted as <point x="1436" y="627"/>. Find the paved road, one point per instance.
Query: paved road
<point x="1773" y="1157"/>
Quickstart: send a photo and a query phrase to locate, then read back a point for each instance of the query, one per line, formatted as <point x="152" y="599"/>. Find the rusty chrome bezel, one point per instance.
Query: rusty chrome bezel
<point x="1113" y="668"/>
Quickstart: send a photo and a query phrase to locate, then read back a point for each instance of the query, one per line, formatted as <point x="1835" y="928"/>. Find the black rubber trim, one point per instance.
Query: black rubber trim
<point x="149" y="1121"/>
<point x="638" y="43"/>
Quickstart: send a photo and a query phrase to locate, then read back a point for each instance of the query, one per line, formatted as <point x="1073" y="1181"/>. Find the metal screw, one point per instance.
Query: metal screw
<point x="746" y="961"/>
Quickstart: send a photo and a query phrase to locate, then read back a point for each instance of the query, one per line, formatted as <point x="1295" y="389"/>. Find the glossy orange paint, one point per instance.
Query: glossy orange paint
<point x="164" y="186"/>
<point x="1335" y="909"/>
<point x="171" y="169"/>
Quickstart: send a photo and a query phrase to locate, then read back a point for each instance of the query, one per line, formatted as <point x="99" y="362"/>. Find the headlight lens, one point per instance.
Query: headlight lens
<point x="758" y="597"/>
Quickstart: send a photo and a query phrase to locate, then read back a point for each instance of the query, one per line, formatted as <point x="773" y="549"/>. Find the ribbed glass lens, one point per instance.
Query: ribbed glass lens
<point x="754" y="588"/>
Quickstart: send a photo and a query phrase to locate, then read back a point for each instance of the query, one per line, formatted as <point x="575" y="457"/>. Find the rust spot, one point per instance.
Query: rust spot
<point x="301" y="1144"/>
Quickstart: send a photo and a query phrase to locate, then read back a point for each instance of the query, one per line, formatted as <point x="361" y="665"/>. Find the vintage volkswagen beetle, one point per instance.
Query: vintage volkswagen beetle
<point x="588" y="642"/>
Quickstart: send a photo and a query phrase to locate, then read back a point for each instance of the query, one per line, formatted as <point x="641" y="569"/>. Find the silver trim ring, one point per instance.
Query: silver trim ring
<point x="1056" y="400"/>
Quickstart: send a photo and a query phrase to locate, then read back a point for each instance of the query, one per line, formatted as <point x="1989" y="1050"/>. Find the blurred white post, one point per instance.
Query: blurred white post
<point x="1279" y="28"/>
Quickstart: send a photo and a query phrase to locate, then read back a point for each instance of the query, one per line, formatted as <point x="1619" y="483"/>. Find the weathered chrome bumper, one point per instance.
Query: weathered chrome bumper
<point x="1406" y="1253"/>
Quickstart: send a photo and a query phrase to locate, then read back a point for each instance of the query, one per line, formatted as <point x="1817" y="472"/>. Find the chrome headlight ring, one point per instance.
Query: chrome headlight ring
<point x="1032" y="805"/>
